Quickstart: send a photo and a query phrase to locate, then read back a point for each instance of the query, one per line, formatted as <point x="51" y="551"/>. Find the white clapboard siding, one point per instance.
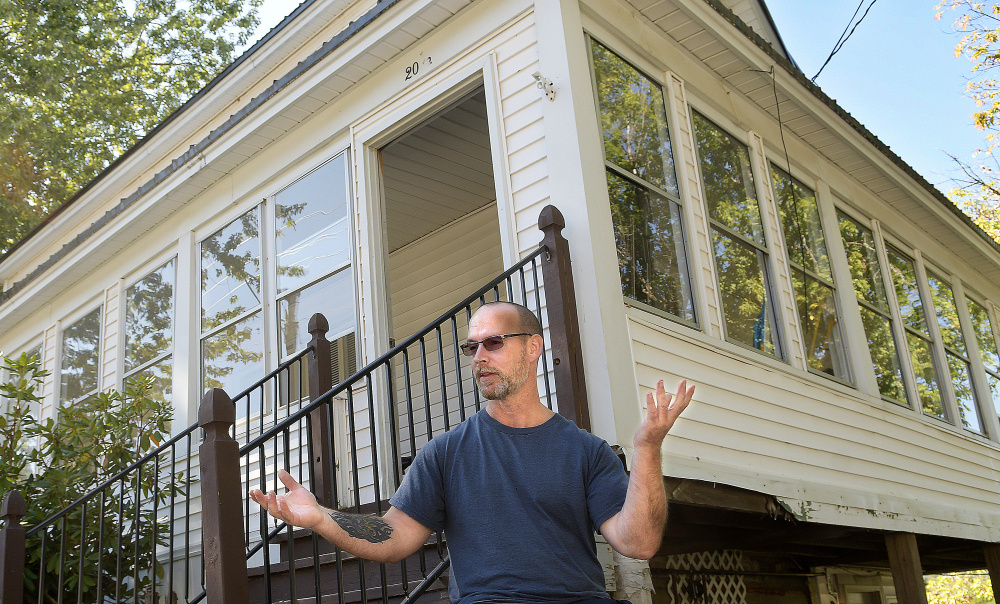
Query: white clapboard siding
<point x="50" y="363"/>
<point x="758" y="427"/>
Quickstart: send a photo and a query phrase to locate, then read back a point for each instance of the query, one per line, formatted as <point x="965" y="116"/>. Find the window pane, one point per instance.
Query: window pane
<point x="984" y="335"/>
<point x="904" y="279"/>
<point x="745" y="297"/>
<point x="80" y="357"/>
<point x="650" y="242"/>
<point x="728" y="180"/>
<point x="926" y="376"/>
<point x="801" y="224"/>
<point x="233" y="359"/>
<point x="633" y="120"/>
<point x="968" y="411"/>
<point x="818" y="314"/>
<point x="334" y="297"/>
<point x="160" y="373"/>
<point x="947" y="313"/>
<point x="312" y="233"/>
<point x="862" y="257"/>
<point x="230" y="271"/>
<point x="885" y="359"/>
<point x="149" y="317"/>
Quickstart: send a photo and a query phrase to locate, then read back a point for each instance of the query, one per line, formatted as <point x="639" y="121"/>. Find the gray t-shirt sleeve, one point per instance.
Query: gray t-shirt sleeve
<point x="421" y="494"/>
<point x="607" y="485"/>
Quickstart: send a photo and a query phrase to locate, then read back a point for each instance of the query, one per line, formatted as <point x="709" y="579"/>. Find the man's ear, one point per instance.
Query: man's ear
<point x="536" y="348"/>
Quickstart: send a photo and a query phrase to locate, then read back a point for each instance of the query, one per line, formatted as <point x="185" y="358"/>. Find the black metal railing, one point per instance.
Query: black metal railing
<point x="379" y="418"/>
<point x="135" y="537"/>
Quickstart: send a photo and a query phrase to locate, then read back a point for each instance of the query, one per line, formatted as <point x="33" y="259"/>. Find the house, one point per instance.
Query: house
<point x="377" y="162"/>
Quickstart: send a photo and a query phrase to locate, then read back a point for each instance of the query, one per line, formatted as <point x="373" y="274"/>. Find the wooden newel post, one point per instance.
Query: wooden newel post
<point x="12" y="510"/>
<point x="564" y="326"/>
<point x="320" y="382"/>
<point x="222" y="502"/>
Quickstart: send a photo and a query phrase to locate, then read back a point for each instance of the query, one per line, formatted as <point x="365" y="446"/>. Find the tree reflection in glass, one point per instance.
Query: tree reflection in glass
<point x="633" y="120"/>
<point x="149" y="317"/>
<point x="984" y="335"/>
<point x="161" y="375"/>
<point x="945" y="309"/>
<point x="811" y="275"/>
<point x="230" y="271"/>
<point x="911" y="310"/>
<point x="651" y="255"/>
<point x="333" y="296"/>
<point x="78" y="375"/>
<point x="866" y="275"/>
<point x="745" y="299"/>
<point x="727" y="178"/>
<point x="233" y="359"/>
<point x="312" y="233"/>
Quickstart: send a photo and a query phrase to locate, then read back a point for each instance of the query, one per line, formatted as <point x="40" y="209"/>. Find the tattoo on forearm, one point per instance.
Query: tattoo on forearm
<point x="369" y="528"/>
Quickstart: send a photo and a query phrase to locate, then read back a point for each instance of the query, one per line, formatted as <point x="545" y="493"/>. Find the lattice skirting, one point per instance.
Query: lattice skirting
<point x="689" y="586"/>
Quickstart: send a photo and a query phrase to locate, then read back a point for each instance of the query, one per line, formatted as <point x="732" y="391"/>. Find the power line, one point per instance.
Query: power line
<point x="842" y="39"/>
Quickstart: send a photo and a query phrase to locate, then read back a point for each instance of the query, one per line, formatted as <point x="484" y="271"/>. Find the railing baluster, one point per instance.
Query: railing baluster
<point x="187" y="523"/>
<point x="353" y="431"/>
<point x="170" y="542"/>
<point x="264" y="532"/>
<point x="441" y="380"/>
<point x="41" y="567"/>
<point x="538" y="314"/>
<point x="119" y="545"/>
<point x="83" y="552"/>
<point x="458" y="367"/>
<point x="426" y="390"/>
<point x="62" y="560"/>
<point x="100" y="546"/>
<point x="409" y="401"/>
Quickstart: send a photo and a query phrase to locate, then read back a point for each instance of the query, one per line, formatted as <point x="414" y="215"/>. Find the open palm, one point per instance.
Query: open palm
<point x="297" y="507"/>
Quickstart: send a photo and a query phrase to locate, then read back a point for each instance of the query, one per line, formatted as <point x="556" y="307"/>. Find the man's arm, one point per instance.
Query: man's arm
<point x="387" y="539"/>
<point x="637" y="529"/>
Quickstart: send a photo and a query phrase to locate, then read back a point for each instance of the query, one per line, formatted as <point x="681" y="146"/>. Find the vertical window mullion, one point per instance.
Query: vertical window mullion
<point x="946" y="383"/>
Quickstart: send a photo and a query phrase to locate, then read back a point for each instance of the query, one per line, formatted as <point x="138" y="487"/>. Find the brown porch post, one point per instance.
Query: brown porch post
<point x="12" y="510"/>
<point x="320" y="382"/>
<point x="992" y="553"/>
<point x="907" y="575"/>
<point x="222" y="502"/>
<point x="564" y="328"/>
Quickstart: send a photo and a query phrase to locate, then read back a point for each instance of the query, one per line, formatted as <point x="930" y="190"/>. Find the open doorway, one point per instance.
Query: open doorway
<point x="443" y="235"/>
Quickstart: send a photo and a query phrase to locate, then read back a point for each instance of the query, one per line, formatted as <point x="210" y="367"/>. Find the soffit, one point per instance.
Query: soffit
<point x="716" y="37"/>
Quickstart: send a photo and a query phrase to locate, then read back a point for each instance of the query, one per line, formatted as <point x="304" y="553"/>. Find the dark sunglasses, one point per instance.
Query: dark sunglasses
<point x="491" y="343"/>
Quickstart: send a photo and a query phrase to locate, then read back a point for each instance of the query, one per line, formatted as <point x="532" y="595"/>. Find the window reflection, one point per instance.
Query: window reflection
<point x="926" y="376"/>
<point x="233" y="359"/>
<point x="968" y="409"/>
<point x="80" y="356"/>
<point x="149" y="317"/>
<point x="230" y="271"/>
<point x="811" y="275"/>
<point x="741" y="258"/>
<point x="727" y="178"/>
<point x="633" y="120"/>
<point x="984" y="335"/>
<point x="333" y="296"/>
<point x="642" y="187"/>
<point x="651" y="256"/>
<point x="866" y="274"/>
<point x="312" y="233"/>
<point x="904" y="279"/>
<point x="745" y="296"/>
<point x="161" y="376"/>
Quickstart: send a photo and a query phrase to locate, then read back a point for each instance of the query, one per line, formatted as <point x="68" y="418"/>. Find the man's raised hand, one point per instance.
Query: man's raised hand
<point x="297" y="507"/>
<point x="662" y="411"/>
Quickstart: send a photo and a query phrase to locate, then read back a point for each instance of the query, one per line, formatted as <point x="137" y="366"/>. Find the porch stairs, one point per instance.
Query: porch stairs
<point x="322" y="434"/>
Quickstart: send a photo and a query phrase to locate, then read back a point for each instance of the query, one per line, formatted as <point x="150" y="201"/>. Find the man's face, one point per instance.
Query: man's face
<point x="501" y="372"/>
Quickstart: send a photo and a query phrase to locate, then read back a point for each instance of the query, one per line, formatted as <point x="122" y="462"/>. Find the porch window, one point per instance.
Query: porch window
<point x="642" y="187"/>
<point x="232" y="346"/>
<point x="815" y="293"/>
<point x="78" y="368"/>
<point x="741" y="250"/>
<point x="149" y="330"/>
<point x="918" y="338"/>
<point x="306" y="265"/>
<point x="876" y="316"/>
<point x="986" y="337"/>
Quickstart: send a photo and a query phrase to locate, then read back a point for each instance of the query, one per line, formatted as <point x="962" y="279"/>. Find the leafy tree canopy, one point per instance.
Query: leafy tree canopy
<point x="977" y="189"/>
<point x="959" y="588"/>
<point x="83" y="80"/>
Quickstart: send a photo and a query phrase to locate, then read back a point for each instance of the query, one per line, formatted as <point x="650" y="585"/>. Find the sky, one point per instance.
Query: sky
<point x="897" y="74"/>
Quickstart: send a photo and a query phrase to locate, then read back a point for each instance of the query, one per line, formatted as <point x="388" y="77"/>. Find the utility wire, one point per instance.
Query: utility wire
<point x="843" y="40"/>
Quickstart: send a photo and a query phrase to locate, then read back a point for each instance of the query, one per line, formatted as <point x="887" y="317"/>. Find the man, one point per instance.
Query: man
<point x="517" y="489"/>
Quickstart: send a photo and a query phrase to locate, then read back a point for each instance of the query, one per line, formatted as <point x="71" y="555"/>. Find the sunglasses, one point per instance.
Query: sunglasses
<point x="491" y="343"/>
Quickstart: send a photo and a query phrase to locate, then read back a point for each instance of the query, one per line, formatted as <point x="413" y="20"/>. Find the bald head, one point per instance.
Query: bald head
<point x="526" y="321"/>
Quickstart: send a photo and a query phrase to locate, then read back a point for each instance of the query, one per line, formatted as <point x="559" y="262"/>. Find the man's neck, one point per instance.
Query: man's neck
<point x="519" y="412"/>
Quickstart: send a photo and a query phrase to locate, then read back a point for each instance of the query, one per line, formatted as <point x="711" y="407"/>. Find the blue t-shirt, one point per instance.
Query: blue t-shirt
<point x="519" y="507"/>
